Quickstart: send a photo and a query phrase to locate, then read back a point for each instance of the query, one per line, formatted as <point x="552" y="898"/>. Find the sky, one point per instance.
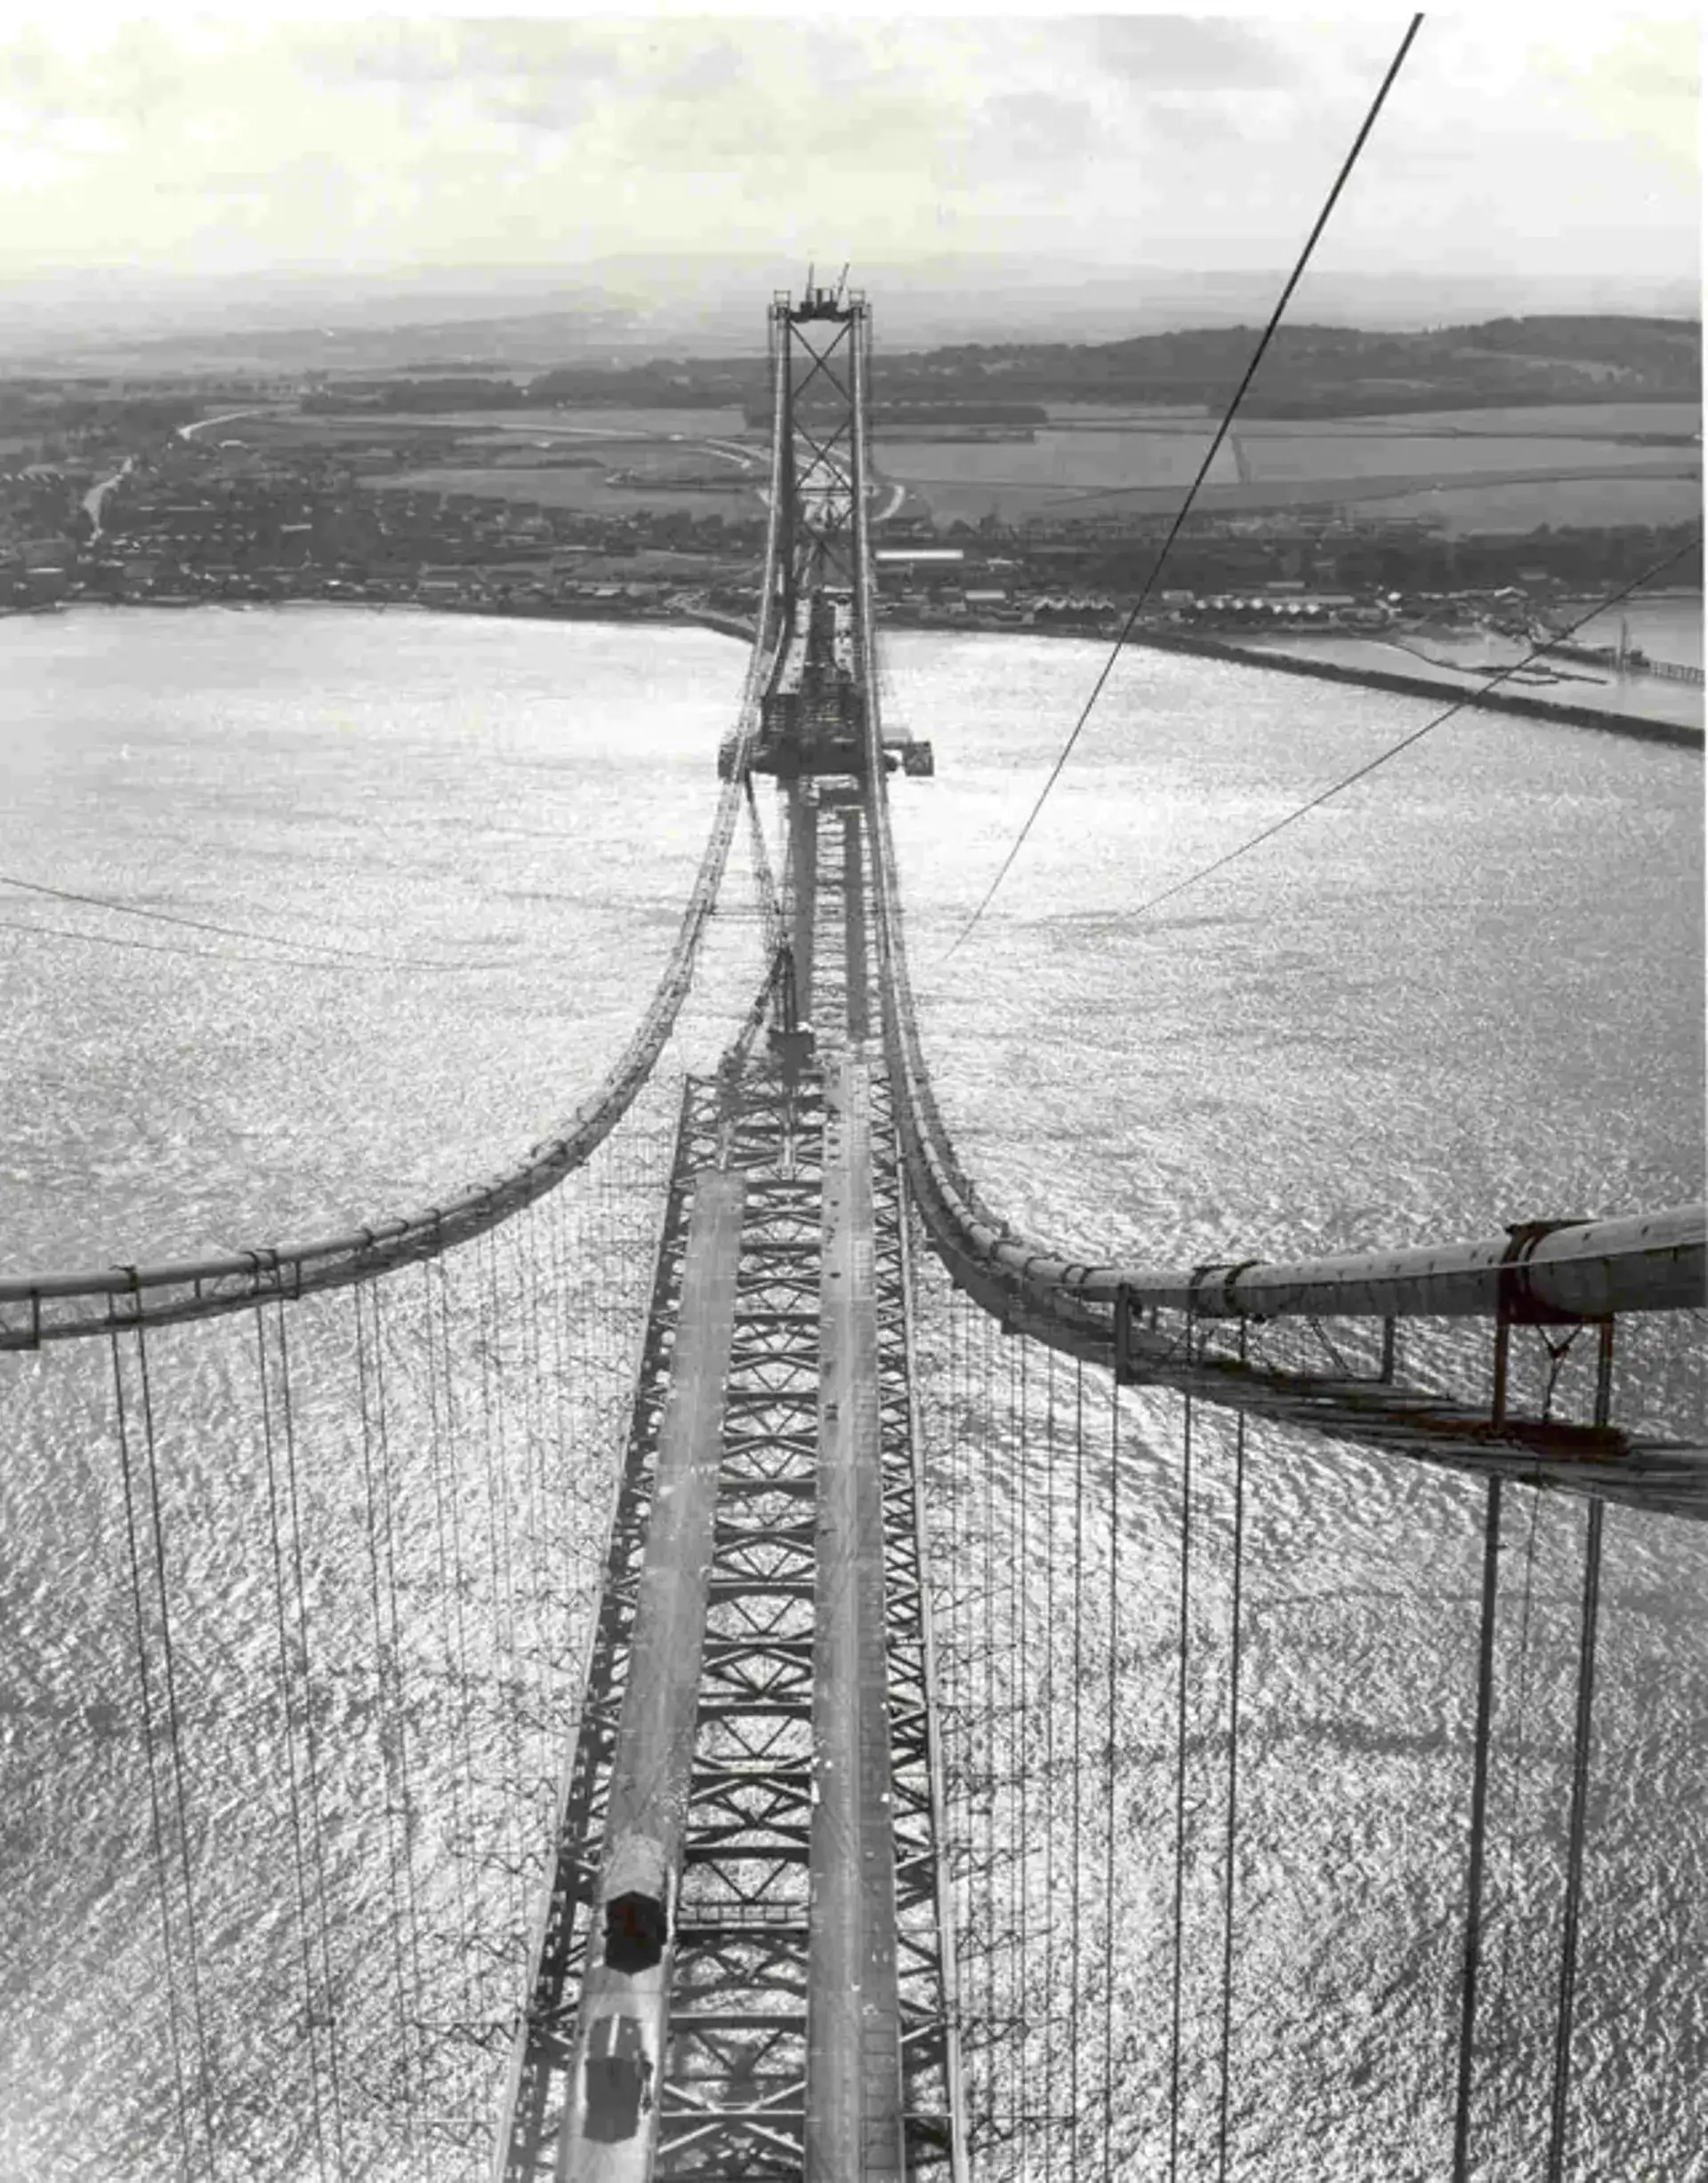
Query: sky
<point x="276" y="142"/>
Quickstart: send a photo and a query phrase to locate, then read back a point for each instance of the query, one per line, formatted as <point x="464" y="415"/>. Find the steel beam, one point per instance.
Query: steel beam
<point x="854" y="2093"/>
<point x="803" y="894"/>
<point x="734" y="2093"/>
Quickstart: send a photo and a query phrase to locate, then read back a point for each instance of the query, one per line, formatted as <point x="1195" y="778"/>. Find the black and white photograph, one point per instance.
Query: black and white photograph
<point x="853" y="1257"/>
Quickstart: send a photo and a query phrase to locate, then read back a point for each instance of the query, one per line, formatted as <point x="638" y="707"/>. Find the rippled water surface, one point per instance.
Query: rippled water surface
<point x="447" y="856"/>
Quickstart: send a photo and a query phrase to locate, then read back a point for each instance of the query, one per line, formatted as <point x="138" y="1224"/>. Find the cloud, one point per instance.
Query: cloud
<point x="1190" y="51"/>
<point x="1196" y="140"/>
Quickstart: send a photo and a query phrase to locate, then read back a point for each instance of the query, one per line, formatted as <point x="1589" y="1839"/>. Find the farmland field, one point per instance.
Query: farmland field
<point x="1577" y="420"/>
<point x="1109" y="460"/>
<point x="1478" y="500"/>
<point x="1275" y="456"/>
<point x="1105" y="465"/>
<point x="1526" y="504"/>
<point x="1581" y="420"/>
<point x="584" y="490"/>
<point x="487" y="452"/>
<point x="1497" y="469"/>
<point x="538" y="424"/>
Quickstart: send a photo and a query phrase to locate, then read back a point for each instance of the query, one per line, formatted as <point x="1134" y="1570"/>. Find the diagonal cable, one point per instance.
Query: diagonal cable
<point x="1470" y="698"/>
<point x="1214" y="449"/>
<point x="205" y="924"/>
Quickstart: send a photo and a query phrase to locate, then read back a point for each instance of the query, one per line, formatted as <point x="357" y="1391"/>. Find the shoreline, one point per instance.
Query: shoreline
<point x="1635" y="727"/>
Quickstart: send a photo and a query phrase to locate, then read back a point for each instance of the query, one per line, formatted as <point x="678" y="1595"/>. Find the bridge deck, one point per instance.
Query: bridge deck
<point x="613" y="2109"/>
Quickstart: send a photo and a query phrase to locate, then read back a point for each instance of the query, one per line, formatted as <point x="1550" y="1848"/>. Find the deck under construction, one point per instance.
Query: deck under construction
<point x="756" y="1742"/>
<point x="745" y="1968"/>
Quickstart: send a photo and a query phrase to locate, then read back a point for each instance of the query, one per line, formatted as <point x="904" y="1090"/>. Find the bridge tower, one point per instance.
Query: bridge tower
<point x="816" y="346"/>
<point x="745" y="1965"/>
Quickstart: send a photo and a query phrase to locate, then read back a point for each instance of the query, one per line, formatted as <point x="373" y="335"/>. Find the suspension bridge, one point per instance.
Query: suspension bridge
<point x="825" y="1883"/>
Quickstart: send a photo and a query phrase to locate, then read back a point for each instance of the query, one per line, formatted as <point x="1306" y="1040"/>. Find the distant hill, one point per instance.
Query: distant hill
<point x="1332" y="371"/>
<point x="1311" y="371"/>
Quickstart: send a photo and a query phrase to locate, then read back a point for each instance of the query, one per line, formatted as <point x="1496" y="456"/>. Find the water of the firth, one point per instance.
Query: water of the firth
<point x="1467" y="992"/>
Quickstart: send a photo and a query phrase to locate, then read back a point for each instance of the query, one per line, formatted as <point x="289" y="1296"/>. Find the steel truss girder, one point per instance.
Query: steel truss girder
<point x="732" y="2089"/>
<point x="930" y="2060"/>
<point x="733" y="2102"/>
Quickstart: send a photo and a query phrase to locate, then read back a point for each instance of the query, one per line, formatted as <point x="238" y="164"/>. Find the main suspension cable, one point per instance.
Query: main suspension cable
<point x="1214" y="449"/>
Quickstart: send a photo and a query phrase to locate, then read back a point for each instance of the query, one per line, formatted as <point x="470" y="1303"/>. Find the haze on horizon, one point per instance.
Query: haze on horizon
<point x="514" y="158"/>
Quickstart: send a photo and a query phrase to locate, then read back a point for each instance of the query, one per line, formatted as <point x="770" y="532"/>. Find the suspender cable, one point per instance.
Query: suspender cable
<point x="1515" y="1774"/>
<point x="276" y="1526"/>
<point x="1180" y="1770"/>
<point x="949" y="1652"/>
<point x="1074" y="2040"/>
<point x="480" y="1978"/>
<point x="1214" y="449"/>
<point x="1236" y="1638"/>
<point x="988" y="1778"/>
<point x="992" y="1698"/>
<point x="1574" y="1846"/>
<point x="157" y="1824"/>
<point x="969" y="1687"/>
<point x="174" y="1745"/>
<point x="382" y="1707"/>
<point x="311" y="1742"/>
<point x="527" y="1263"/>
<point x="1019" y="1798"/>
<point x="1049" y="2117"/>
<point x="1478" y="1818"/>
<point x="522" y="1519"/>
<point x="400" y="1707"/>
<point x="506" y="1665"/>
<point x="1113" y="1685"/>
<point x="560" y="1480"/>
<point x="441" y="1529"/>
